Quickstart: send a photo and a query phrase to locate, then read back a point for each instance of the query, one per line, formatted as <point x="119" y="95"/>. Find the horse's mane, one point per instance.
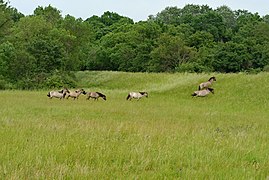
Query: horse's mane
<point x="210" y="89"/>
<point x="213" y="77"/>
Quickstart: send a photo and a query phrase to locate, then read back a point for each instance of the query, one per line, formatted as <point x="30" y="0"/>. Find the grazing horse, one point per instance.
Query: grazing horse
<point x="58" y="94"/>
<point x="203" y="93"/>
<point x="95" y="95"/>
<point x="136" y="95"/>
<point x="75" y="94"/>
<point x="207" y="84"/>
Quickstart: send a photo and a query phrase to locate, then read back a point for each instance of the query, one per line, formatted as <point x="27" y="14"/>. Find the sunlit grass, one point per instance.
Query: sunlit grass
<point x="168" y="135"/>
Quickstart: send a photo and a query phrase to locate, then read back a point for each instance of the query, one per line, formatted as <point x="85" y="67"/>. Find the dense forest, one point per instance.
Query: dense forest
<point x="44" y="49"/>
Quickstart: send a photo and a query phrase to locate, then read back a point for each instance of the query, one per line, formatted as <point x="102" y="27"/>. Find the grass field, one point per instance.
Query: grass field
<point x="167" y="135"/>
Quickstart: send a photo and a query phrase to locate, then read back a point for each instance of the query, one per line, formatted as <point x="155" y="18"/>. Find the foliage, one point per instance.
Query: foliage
<point x="195" y="38"/>
<point x="170" y="54"/>
<point x="60" y="79"/>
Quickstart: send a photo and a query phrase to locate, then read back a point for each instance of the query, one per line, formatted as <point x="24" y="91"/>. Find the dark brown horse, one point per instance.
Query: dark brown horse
<point x="95" y="95"/>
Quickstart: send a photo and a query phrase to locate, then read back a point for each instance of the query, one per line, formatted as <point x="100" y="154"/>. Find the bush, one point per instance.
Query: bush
<point x="3" y="83"/>
<point x="253" y="71"/>
<point x="266" y="68"/>
<point x="192" y="67"/>
<point x="60" y="79"/>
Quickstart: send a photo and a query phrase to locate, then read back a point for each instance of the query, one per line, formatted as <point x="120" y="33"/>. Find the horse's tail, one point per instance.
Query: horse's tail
<point x="128" y="97"/>
<point x="199" y="88"/>
<point x="48" y="94"/>
<point x="194" y="94"/>
<point x="100" y="94"/>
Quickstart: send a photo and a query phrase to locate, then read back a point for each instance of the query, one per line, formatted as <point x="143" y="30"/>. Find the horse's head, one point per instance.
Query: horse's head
<point x="211" y="90"/>
<point x="144" y="94"/>
<point x="77" y="91"/>
<point x="83" y="92"/>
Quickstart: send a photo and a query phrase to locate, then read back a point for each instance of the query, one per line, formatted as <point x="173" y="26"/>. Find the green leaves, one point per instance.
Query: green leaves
<point x="195" y="38"/>
<point x="170" y="53"/>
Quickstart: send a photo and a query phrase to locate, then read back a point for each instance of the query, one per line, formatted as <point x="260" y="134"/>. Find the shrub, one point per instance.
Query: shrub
<point x="192" y="67"/>
<point x="60" y="79"/>
<point x="266" y="68"/>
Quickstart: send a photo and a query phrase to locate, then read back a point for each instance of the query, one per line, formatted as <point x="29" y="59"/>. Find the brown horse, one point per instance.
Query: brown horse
<point x="75" y="94"/>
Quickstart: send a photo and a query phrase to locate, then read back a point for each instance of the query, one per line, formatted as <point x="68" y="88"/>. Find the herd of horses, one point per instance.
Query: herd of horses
<point x="65" y="93"/>
<point x="204" y="89"/>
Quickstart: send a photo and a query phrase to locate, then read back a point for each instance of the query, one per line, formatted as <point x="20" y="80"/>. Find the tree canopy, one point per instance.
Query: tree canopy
<point x="195" y="38"/>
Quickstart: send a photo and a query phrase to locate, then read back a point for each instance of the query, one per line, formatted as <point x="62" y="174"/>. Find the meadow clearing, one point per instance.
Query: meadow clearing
<point x="167" y="135"/>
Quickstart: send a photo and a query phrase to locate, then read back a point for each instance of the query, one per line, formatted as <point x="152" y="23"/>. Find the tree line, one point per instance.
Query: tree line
<point x="43" y="49"/>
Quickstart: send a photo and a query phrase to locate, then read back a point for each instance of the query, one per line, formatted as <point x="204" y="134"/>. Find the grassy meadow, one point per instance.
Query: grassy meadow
<point x="167" y="135"/>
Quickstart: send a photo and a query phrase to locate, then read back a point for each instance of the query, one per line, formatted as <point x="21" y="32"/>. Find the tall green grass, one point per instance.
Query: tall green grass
<point x="168" y="135"/>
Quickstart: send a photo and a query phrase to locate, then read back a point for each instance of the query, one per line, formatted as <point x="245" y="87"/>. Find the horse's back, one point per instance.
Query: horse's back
<point x="136" y="95"/>
<point x="56" y="94"/>
<point x="93" y="94"/>
<point x="201" y="93"/>
<point x="204" y="85"/>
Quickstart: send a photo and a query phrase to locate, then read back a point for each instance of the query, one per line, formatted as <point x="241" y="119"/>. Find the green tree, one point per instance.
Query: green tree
<point x="229" y="21"/>
<point x="107" y="23"/>
<point x="266" y="19"/>
<point x="49" y="13"/>
<point x="210" y="22"/>
<point x="6" y="21"/>
<point x="7" y="54"/>
<point x="170" y="15"/>
<point x="231" y="57"/>
<point x="170" y="53"/>
<point x="200" y="39"/>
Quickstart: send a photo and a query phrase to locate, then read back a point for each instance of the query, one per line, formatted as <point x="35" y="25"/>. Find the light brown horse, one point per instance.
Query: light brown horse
<point x="58" y="94"/>
<point x="207" y="84"/>
<point x="203" y="93"/>
<point x="95" y="95"/>
<point x="136" y="95"/>
<point x="75" y="94"/>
